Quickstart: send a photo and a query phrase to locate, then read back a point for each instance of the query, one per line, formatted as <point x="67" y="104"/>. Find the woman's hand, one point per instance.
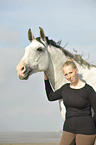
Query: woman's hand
<point x="45" y="76"/>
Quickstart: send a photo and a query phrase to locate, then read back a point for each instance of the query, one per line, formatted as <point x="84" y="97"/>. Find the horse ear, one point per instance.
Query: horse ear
<point x="42" y="35"/>
<point x="30" y="35"/>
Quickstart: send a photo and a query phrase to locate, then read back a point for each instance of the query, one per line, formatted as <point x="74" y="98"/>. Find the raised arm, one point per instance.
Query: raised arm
<point x="51" y="95"/>
<point x="45" y="76"/>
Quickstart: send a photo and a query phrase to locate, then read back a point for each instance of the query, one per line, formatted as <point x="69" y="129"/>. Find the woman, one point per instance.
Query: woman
<point x="78" y="99"/>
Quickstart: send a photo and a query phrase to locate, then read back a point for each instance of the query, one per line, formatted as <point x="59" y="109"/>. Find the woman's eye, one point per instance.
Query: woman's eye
<point x="65" y="74"/>
<point x="71" y="72"/>
<point x="39" y="49"/>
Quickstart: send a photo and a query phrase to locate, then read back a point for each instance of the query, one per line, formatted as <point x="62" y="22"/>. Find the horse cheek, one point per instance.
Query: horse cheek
<point x="43" y="66"/>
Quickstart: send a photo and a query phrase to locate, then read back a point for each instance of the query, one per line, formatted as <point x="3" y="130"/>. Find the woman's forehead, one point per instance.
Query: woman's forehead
<point x="68" y="68"/>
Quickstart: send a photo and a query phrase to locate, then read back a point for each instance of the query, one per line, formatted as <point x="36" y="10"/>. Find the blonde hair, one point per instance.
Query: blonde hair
<point x="69" y="62"/>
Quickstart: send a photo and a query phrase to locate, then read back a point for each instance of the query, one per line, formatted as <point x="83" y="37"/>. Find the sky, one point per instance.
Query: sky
<point x="23" y="104"/>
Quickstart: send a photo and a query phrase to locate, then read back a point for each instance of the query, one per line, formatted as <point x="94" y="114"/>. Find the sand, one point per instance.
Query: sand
<point x="29" y="144"/>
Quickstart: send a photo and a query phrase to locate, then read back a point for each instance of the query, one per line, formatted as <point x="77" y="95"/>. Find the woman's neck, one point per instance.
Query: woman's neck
<point x="77" y="84"/>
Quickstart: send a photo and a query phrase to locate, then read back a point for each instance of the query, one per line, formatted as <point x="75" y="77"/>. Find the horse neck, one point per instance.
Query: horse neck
<point x="54" y="71"/>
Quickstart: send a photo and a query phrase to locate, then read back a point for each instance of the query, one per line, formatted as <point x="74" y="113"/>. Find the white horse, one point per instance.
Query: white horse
<point x="46" y="55"/>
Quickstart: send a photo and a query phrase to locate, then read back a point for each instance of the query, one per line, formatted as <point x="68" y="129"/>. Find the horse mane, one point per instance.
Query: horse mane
<point x="77" y="57"/>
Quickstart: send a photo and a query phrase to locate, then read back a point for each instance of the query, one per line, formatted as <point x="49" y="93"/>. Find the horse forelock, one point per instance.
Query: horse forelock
<point x="76" y="57"/>
<point x="39" y="40"/>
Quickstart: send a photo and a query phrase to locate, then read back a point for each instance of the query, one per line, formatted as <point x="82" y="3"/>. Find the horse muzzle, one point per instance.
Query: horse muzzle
<point x="23" y="71"/>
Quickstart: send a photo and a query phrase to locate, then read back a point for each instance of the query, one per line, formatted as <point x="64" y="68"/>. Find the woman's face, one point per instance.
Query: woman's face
<point x="70" y="73"/>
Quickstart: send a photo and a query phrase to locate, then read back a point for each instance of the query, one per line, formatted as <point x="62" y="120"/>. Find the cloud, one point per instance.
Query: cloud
<point x="9" y="36"/>
<point x="9" y="58"/>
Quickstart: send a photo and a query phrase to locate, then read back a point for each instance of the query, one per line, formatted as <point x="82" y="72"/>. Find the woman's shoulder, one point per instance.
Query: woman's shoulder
<point x="66" y="85"/>
<point x="89" y="87"/>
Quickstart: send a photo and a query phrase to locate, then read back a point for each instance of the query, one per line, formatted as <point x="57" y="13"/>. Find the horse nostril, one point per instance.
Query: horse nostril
<point x="22" y="68"/>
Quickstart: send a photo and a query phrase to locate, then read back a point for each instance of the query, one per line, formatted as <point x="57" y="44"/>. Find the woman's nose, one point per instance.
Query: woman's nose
<point x="69" y="77"/>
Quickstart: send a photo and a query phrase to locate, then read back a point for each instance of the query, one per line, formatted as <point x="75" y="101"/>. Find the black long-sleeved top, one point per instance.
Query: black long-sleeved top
<point x="78" y="103"/>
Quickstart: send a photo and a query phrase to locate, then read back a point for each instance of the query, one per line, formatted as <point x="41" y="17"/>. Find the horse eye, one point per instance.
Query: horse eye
<point x="39" y="49"/>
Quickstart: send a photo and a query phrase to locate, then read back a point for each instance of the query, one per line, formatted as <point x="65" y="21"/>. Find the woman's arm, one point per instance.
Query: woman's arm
<point x="45" y="76"/>
<point x="51" y="95"/>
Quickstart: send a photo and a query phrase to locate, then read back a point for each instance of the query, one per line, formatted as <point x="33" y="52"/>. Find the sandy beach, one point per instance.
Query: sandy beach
<point x="30" y="144"/>
<point x="29" y="138"/>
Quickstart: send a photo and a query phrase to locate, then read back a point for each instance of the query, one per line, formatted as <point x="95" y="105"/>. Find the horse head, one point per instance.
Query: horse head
<point x="36" y="57"/>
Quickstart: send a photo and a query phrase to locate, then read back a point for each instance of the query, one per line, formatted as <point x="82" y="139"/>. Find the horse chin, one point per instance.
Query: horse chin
<point x="24" y="78"/>
<point x="26" y="75"/>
